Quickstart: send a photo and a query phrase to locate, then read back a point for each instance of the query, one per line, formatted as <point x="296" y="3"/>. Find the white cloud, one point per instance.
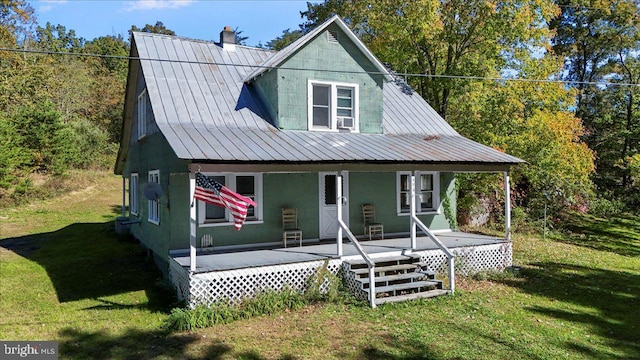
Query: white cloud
<point x="48" y="5"/>
<point x="157" y="4"/>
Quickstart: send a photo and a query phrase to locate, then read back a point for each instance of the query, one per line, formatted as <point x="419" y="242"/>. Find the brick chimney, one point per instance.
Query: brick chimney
<point x="228" y="39"/>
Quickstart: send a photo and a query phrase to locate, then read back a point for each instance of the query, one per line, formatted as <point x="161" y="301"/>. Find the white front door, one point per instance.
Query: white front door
<point x="328" y="208"/>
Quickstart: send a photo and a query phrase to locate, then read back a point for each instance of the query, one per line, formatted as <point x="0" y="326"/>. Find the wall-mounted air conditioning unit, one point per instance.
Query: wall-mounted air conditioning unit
<point x="346" y="123"/>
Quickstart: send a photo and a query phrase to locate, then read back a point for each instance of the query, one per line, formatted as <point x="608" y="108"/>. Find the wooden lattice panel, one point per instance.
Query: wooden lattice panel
<point x="179" y="277"/>
<point x="235" y="285"/>
<point x="470" y="260"/>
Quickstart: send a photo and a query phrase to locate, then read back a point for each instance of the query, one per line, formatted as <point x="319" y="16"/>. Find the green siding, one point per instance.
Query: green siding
<point x="280" y="190"/>
<point x="379" y="189"/>
<point x="289" y="88"/>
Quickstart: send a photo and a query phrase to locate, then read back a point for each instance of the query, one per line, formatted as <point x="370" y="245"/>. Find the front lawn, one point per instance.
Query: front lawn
<point x="65" y="276"/>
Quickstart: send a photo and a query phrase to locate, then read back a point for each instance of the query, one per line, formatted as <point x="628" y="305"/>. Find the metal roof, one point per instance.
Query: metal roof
<point x="207" y="113"/>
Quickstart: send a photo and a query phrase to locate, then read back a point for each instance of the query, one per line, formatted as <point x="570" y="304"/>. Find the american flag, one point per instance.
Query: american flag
<point x="212" y="192"/>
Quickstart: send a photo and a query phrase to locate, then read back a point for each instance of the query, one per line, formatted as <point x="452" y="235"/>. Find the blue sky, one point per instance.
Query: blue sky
<point x="261" y="21"/>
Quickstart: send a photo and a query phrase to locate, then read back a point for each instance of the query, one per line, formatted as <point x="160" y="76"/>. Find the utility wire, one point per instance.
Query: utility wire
<point x="389" y="73"/>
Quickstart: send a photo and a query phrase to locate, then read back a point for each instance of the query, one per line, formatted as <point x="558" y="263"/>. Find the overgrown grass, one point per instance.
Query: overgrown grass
<point x="65" y="276"/>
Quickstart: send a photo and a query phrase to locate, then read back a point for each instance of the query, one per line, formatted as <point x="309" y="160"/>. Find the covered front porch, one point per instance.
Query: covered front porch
<point x="232" y="276"/>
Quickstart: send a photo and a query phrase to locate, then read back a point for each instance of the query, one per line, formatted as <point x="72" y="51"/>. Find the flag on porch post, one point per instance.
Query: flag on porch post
<point x="212" y="192"/>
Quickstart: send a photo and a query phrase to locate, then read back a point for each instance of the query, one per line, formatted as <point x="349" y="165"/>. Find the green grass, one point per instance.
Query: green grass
<point x="65" y="276"/>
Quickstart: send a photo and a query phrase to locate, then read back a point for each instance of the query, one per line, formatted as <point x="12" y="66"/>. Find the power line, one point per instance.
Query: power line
<point x="389" y="73"/>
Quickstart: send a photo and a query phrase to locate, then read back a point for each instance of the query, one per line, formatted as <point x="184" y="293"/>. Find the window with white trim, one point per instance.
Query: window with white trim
<point x="133" y="194"/>
<point x="154" y="205"/>
<point x="333" y="106"/>
<point x="247" y="184"/>
<point x="427" y="192"/>
<point x="142" y="114"/>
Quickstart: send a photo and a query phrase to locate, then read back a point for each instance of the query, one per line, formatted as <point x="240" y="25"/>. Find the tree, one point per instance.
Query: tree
<point x="158" y="28"/>
<point x="283" y="40"/>
<point x="600" y="42"/>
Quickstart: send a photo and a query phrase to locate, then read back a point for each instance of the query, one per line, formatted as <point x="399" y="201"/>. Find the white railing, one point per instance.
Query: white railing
<point x="340" y="201"/>
<point x="370" y="264"/>
<point x="415" y="221"/>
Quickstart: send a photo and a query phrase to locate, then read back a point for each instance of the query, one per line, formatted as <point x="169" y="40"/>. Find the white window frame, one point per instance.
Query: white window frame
<point x="333" y="105"/>
<point x="154" y="205"/>
<point x="133" y="195"/>
<point x="142" y="114"/>
<point x="435" y="196"/>
<point x="230" y="182"/>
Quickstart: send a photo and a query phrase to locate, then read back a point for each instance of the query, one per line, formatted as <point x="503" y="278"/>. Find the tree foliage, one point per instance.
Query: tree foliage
<point x="158" y="28"/>
<point x="600" y="42"/>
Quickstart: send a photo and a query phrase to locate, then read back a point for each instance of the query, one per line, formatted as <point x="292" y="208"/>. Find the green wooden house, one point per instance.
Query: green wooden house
<point x="321" y="127"/>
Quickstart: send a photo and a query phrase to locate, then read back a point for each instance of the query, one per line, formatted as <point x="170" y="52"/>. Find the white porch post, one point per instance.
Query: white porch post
<point x="192" y="222"/>
<point x="412" y="207"/>
<point x="507" y="207"/>
<point x="339" y="211"/>
<point x="124" y="196"/>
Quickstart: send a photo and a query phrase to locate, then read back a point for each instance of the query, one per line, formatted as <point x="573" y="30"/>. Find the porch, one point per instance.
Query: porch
<point x="239" y="274"/>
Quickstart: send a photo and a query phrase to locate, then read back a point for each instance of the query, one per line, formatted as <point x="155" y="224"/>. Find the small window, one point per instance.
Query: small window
<point x="249" y="185"/>
<point x="154" y="205"/>
<point x="333" y="106"/>
<point x="427" y="192"/>
<point x="133" y="194"/>
<point x="142" y="114"/>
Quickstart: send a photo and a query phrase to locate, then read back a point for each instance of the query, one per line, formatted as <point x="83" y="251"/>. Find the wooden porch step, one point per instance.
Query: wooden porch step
<point x="404" y="276"/>
<point x="381" y="269"/>
<point x="413" y="296"/>
<point x="408" y="257"/>
<point x="408" y="286"/>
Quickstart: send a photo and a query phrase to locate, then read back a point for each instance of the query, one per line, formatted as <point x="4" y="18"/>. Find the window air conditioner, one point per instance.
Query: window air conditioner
<point x="346" y="122"/>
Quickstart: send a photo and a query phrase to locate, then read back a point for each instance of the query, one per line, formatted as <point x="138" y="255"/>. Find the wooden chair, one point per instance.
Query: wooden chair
<point x="371" y="227"/>
<point x="290" y="230"/>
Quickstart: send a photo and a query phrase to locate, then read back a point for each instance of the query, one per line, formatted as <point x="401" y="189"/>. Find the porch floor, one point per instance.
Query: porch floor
<point x="212" y="261"/>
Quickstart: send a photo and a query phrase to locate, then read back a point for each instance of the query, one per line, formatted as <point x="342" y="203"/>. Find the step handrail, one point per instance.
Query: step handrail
<point x="443" y="247"/>
<point x="370" y="263"/>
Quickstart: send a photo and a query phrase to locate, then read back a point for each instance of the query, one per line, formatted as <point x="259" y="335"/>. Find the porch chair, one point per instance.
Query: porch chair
<point x="371" y="227"/>
<point x="290" y="230"/>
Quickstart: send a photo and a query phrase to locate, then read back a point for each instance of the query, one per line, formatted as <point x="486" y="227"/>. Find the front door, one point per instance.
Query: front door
<point x="328" y="208"/>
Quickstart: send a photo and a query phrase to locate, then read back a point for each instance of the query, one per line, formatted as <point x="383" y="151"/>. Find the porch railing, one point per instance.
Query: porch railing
<point x="415" y="221"/>
<point x="370" y="264"/>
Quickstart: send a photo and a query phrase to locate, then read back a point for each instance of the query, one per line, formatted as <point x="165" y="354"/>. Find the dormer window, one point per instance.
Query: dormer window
<point x="333" y="106"/>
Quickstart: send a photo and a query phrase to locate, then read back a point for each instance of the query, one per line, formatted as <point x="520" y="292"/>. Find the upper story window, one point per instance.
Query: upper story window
<point x="333" y="106"/>
<point x="427" y="192"/>
<point x="247" y="184"/>
<point x="133" y="194"/>
<point x="142" y="114"/>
